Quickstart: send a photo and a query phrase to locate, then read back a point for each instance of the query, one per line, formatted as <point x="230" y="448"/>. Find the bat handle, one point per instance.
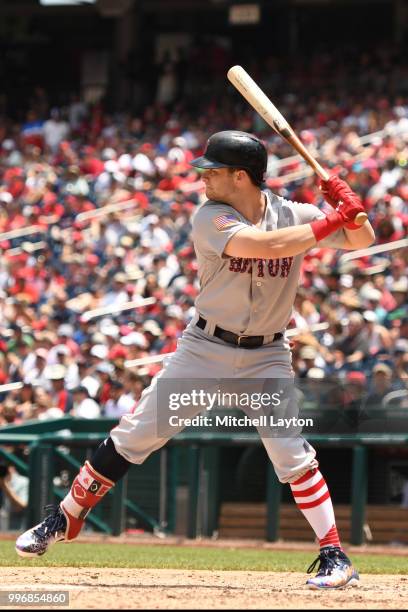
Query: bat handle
<point x="361" y="218"/>
<point x="320" y="171"/>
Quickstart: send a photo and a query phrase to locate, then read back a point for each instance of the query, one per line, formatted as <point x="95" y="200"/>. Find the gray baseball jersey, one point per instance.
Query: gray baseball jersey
<point x="249" y="296"/>
<point x="246" y="296"/>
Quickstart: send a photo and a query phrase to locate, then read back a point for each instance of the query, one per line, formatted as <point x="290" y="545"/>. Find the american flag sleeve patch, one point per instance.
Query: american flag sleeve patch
<point x="222" y="222"/>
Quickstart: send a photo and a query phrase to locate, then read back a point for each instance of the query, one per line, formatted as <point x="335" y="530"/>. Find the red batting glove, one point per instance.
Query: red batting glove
<point x="335" y="190"/>
<point x="344" y="215"/>
<point x="348" y="210"/>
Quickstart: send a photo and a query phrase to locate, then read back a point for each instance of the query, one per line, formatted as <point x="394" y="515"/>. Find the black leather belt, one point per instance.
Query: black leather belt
<point x="248" y="342"/>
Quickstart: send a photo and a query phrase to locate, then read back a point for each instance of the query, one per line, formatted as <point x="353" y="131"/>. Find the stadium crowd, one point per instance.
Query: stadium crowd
<point x="59" y="167"/>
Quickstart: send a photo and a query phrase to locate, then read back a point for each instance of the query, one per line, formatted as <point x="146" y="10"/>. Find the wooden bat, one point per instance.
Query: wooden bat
<point x="268" y="111"/>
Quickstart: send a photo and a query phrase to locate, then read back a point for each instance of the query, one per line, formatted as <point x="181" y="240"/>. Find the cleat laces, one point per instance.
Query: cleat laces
<point x="327" y="563"/>
<point x="53" y="523"/>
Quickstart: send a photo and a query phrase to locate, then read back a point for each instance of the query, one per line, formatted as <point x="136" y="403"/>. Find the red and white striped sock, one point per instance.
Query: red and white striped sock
<point x="312" y="497"/>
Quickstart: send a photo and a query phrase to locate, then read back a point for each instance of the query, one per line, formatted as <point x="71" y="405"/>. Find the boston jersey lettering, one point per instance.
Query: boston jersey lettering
<point x="263" y="267"/>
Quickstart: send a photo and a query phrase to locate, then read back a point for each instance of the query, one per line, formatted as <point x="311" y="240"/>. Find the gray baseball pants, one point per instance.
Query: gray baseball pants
<point x="200" y="355"/>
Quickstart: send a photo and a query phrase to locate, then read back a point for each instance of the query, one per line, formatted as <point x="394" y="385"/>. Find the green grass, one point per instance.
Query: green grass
<point x="178" y="557"/>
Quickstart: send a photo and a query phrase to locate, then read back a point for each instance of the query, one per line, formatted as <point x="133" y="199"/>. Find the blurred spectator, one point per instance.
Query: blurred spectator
<point x="355" y="386"/>
<point x="55" y="130"/>
<point x="119" y="401"/>
<point x="84" y="406"/>
<point x="381" y="384"/>
<point x="14" y="498"/>
<point x="60" y="397"/>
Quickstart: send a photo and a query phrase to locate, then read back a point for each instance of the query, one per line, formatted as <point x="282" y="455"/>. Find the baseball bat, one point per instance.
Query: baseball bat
<point x="268" y="111"/>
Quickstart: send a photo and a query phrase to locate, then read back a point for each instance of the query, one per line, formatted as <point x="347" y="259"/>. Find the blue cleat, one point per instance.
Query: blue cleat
<point x="36" y="541"/>
<point x="335" y="570"/>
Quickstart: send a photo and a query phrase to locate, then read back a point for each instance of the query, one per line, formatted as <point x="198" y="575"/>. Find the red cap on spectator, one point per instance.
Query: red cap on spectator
<point x="357" y="377"/>
<point x="171" y="331"/>
<point x="92" y="259"/>
<point x="40" y="324"/>
<point x="186" y="252"/>
<point x="77" y="236"/>
<point x="117" y="352"/>
<point x="49" y="198"/>
<point x="190" y="290"/>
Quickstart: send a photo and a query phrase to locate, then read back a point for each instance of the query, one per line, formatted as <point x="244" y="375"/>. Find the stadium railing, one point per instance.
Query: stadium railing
<point x="67" y="441"/>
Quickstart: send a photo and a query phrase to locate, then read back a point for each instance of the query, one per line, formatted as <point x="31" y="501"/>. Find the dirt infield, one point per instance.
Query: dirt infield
<point x="176" y="589"/>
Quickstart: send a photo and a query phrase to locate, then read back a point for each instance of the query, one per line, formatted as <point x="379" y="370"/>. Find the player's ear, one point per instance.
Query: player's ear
<point x="241" y="176"/>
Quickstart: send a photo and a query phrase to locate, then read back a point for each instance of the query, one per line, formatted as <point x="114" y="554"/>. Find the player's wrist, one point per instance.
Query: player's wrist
<point x="322" y="228"/>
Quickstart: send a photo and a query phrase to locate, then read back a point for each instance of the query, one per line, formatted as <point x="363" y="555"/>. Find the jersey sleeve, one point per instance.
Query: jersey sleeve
<point x="306" y="213"/>
<point x="213" y="226"/>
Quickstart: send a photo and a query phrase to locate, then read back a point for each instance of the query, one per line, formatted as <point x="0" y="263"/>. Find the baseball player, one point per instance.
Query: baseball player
<point x="249" y="244"/>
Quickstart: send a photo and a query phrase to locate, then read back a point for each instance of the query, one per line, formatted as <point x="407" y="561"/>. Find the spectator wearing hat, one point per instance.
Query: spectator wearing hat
<point x="371" y="297"/>
<point x="117" y="294"/>
<point x="378" y="337"/>
<point x="312" y="386"/>
<point x="136" y="345"/>
<point x="355" y="343"/>
<point x="401" y="362"/>
<point x="84" y="407"/>
<point x="60" y="396"/>
<point x="355" y="386"/>
<point x="104" y="371"/>
<point x="399" y="291"/>
<point x="119" y="402"/>
<point x="153" y="332"/>
<point x="398" y="272"/>
<point x="64" y="357"/>
<point x="65" y="337"/>
<point x="381" y="384"/>
<point x="307" y="355"/>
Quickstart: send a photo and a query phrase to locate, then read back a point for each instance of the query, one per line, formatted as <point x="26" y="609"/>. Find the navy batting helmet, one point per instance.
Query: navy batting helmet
<point x="233" y="149"/>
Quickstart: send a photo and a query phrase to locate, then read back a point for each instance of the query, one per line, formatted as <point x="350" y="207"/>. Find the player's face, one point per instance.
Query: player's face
<point x="219" y="183"/>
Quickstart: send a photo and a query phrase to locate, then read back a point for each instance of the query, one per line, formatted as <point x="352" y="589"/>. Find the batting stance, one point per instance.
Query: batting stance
<point x="249" y="244"/>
